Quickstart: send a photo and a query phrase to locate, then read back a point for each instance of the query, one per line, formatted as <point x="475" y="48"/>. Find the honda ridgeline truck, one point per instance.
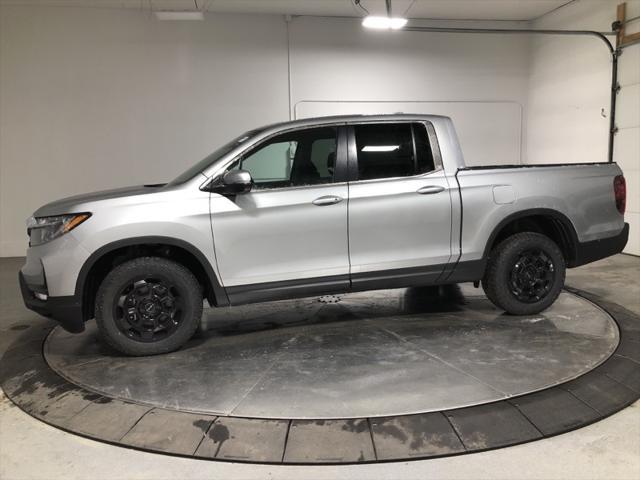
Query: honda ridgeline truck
<point x="312" y="207"/>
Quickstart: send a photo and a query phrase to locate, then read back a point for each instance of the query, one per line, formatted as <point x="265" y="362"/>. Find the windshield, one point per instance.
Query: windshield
<point x="213" y="157"/>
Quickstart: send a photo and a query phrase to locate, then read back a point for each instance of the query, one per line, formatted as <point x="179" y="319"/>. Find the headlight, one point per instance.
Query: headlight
<point x="44" y="229"/>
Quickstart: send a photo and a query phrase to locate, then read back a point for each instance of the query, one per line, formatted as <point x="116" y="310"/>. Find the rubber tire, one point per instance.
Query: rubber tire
<point x="184" y="281"/>
<point x="501" y="259"/>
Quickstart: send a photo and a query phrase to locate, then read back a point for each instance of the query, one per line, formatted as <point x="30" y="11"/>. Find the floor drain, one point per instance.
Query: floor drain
<point x="329" y="299"/>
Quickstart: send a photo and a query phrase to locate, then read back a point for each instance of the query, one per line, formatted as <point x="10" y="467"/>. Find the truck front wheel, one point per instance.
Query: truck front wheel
<point x="148" y="305"/>
<point x="525" y="274"/>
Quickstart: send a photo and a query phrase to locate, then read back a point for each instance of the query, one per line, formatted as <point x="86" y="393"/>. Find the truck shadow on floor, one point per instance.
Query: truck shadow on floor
<point x="322" y="310"/>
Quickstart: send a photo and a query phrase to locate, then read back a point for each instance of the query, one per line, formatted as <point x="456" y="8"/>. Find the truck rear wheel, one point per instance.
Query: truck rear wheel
<point x="148" y="306"/>
<point x="525" y="273"/>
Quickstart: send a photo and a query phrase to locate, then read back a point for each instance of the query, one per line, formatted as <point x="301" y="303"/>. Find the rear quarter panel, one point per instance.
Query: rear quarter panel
<point x="582" y="193"/>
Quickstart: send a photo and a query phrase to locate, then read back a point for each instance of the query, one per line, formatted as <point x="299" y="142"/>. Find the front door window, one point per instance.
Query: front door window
<point x="293" y="159"/>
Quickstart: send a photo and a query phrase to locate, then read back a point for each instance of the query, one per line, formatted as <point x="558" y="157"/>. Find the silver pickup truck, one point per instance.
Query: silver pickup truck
<point x="312" y="207"/>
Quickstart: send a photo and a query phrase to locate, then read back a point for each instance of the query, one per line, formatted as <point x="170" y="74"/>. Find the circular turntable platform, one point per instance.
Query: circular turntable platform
<point x="370" y="354"/>
<point x="363" y="377"/>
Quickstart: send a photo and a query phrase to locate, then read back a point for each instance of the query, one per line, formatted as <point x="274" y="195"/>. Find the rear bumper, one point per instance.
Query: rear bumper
<point x="65" y="310"/>
<point x="588" y="252"/>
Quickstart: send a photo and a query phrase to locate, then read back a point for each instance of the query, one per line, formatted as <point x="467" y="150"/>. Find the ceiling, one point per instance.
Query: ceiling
<point x="436" y="9"/>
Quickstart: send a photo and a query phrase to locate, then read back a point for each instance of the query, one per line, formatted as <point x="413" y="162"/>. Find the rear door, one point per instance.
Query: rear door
<point x="399" y="205"/>
<point x="290" y="232"/>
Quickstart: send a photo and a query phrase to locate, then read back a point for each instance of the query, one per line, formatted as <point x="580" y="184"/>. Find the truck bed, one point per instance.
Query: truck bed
<point x="580" y="196"/>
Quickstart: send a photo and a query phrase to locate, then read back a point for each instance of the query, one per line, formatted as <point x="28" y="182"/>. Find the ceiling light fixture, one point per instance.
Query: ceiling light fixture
<point x="384" y="23"/>
<point x="179" y="15"/>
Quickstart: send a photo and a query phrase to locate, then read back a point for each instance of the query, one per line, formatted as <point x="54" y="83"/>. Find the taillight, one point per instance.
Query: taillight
<point x="620" y="192"/>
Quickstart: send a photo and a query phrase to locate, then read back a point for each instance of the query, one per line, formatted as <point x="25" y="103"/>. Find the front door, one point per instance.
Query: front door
<point x="399" y="206"/>
<point x="289" y="234"/>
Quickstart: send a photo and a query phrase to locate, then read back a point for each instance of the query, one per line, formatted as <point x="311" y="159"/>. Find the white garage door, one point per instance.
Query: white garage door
<point x="627" y="141"/>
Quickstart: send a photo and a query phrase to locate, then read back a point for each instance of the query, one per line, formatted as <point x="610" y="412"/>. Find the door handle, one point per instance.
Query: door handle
<point x="430" y="189"/>
<point x="327" y="200"/>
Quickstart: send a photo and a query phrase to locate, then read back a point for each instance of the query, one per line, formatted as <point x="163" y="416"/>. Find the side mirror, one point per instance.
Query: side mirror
<point x="234" y="182"/>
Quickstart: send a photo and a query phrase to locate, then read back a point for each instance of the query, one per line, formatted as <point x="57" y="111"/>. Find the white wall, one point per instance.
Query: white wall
<point x="568" y="90"/>
<point x="99" y="98"/>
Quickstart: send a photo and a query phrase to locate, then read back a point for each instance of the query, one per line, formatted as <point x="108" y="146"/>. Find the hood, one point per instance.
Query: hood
<point x="72" y="204"/>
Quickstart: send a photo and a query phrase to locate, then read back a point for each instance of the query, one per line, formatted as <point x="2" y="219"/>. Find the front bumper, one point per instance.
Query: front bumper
<point x="587" y="252"/>
<point x="65" y="310"/>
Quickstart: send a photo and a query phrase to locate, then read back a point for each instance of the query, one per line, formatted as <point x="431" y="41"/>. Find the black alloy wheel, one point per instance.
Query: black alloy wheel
<point x="148" y="309"/>
<point x="148" y="306"/>
<point x="525" y="273"/>
<point x="532" y="276"/>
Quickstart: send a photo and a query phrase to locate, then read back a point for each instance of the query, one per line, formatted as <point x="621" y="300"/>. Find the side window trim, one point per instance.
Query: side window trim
<point x="413" y="145"/>
<point x="353" y="149"/>
<point x="435" y="146"/>
<point x="341" y="172"/>
<point x="352" y="155"/>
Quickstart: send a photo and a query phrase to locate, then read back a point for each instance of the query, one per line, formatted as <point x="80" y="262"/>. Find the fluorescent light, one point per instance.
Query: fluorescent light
<point x="179" y="15"/>
<point x="381" y="148"/>
<point x="385" y="23"/>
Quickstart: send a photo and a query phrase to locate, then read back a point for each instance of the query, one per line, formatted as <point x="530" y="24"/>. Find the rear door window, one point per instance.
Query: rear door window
<point x="390" y="150"/>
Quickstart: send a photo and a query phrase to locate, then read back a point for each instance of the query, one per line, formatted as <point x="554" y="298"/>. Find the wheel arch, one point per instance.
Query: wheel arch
<point x="100" y="262"/>
<point x="549" y="222"/>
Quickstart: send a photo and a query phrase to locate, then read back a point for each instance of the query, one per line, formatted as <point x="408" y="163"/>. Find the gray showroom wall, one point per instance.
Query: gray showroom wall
<point x="568" y="103"/>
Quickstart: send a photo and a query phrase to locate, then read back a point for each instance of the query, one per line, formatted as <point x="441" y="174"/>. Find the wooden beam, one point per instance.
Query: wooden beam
<point x="627" y="39"/>
<point x="621" y="15"/>
<point x="622" y="39"/>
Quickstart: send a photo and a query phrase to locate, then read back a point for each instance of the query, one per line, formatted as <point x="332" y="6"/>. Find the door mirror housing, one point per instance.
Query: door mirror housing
<point x="234" y="182"/>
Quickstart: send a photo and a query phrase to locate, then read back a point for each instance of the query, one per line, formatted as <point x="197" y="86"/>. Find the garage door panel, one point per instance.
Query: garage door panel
<point x="626" y="152"/>
<point x="633" y="246"/>
<point x="629" y="66"/>
<point x="628" y="107"/>
<point x="633" y="190"/>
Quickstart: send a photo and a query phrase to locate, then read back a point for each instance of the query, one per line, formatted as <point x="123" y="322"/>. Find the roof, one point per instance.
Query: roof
<point x="303" y="122"/>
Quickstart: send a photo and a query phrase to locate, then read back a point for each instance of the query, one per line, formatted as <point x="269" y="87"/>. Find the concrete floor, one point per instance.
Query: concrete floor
<point x="608" y="449"/>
